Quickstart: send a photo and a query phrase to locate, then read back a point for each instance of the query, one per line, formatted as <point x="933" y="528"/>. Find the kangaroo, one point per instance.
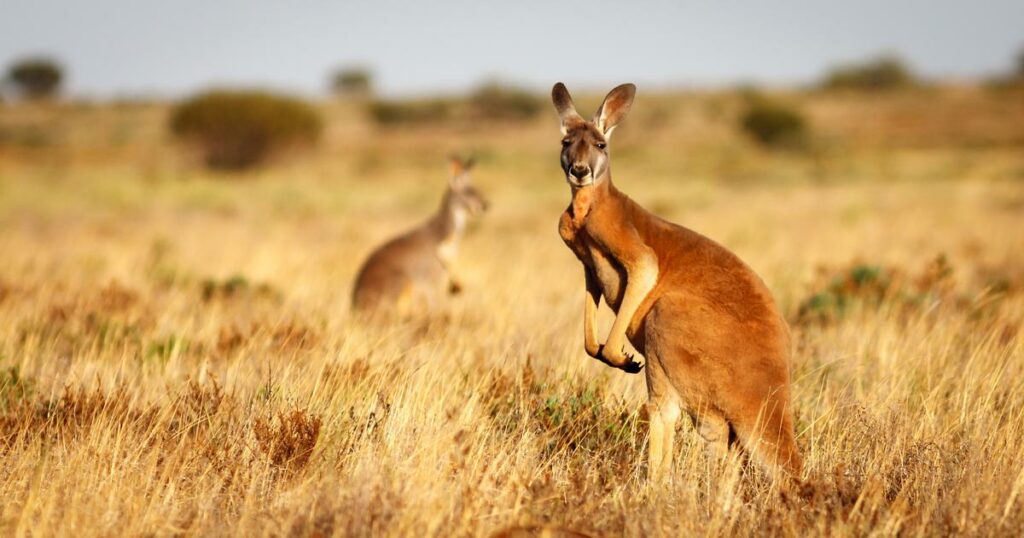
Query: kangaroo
<point x="714" y="342"/>
<point x="411" y="272"/>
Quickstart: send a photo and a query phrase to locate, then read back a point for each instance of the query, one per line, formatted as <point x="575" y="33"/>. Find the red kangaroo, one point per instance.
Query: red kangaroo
<point x="411" y="273"/>
<point x="714" y="342"/>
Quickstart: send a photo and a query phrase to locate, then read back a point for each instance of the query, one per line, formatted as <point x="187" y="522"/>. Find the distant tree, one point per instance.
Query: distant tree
<point x="411" y="112"/>
<point x="241" y="129"/>
<point x="774" y="125"/>
<point x="882" y="73"/>
<point x="35" y="78"/>
<point x="352" y="81"/>
<point x="499" y="102"/>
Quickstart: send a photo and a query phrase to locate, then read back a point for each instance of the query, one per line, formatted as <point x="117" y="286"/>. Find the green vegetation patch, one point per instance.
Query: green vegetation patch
<point x="236" y="130"/>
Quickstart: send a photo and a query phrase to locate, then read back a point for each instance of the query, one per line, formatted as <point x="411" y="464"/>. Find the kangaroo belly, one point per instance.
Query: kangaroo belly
<point x="611" y="276"/>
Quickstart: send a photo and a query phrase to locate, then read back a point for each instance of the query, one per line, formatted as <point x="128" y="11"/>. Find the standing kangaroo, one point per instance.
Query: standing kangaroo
<point x="714" y="341"/>
<point x="413" y="271"/>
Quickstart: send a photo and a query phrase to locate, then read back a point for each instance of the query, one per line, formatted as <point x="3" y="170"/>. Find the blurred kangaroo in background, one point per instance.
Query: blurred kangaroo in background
<point x="714" y="341"/>
<point x="412" y="272"/>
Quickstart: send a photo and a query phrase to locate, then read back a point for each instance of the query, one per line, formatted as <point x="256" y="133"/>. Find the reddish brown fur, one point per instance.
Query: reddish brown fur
<point x="714" y="341"/>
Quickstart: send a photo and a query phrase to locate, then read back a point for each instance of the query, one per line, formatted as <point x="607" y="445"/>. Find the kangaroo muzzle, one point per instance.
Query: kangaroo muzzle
<point x="580" y="174"/>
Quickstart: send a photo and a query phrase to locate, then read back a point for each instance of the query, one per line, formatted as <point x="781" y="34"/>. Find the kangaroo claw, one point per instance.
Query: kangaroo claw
<point x="627" y="364"/>
<point x="632" y="367"/>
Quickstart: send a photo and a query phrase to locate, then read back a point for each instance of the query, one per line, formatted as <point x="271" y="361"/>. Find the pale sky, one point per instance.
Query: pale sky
<point x="170" y="47"/>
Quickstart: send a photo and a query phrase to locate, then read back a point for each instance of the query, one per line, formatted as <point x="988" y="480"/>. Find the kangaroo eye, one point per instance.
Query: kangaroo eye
<point x="565" y="142"/>
<point x="601" y="145"/>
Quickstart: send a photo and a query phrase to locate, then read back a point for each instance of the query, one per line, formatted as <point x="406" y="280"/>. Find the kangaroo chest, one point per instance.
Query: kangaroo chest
<point x="611" y="276"/>
<point x="447" y="250"/>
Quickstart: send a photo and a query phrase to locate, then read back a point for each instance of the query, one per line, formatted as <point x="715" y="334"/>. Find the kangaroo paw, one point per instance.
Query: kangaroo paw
<point x="623" y="362"/>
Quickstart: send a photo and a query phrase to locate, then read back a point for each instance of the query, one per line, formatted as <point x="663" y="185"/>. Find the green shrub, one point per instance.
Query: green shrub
<point x="352" y="81"/>
<point x="497" y="102"/>
<point x="862" y="286"/>
<point x="488" y="102"/>
<point x="241" y="129"/>
<point x="14" y="388"/>
<point x="859" y="284"/>
<point x="1012" y="80"/>
<point x="411" y="112"/>
<point x="883" y="73"/>
<point x="36" y="78"/>
<point x="29" y="136"/>
<point x="774" y="125"/>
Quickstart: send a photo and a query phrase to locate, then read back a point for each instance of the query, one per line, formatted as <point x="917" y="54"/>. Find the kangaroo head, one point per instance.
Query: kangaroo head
<point x="585" y="157"/>
<point x="462" y="194"/>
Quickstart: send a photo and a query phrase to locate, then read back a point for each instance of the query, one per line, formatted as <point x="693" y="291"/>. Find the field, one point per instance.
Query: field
<point x="176" y="354"/>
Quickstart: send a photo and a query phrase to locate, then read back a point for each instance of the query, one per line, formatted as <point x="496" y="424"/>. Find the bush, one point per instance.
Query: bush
<point x="494" y="101"/>
<point x="489" y="102"/>
<point x="774" y="125"/>
<point x="241" y="129"/>
<point x="354" y="81"/>
<point x="1012" y="80"/>
<point x="14" y="388"/>
<point x="411" y="112"/>
<point x="36" y="78"/>
<point x="883" y="73"/>
<point x="862" y="286"/>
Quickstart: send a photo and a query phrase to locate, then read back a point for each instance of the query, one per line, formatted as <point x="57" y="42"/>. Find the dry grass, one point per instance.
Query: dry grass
<point x="176" y="356"/>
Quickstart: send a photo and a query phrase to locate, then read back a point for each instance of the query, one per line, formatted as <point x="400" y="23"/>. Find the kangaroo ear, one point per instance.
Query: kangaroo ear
<point x="614" y="108"/>
<point x="564" y="105"/>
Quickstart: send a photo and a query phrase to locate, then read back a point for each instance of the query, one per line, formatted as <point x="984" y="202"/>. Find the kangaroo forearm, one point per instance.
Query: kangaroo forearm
<point x="593" y="296"/>
<point x="589" y="329"/>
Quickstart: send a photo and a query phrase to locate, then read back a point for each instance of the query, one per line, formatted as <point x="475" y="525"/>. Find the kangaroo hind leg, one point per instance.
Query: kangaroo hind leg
<point x="662" y="412"/>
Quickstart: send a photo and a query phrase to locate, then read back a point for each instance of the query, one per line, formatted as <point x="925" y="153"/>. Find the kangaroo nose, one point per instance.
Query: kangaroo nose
<point x="579" y="171"/>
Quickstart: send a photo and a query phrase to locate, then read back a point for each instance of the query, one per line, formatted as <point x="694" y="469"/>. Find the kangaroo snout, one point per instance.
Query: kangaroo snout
<point x="579" y="171"/>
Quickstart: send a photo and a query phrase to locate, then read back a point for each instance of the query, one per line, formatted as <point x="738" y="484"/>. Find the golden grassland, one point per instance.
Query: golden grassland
<point x="176" y="355"/>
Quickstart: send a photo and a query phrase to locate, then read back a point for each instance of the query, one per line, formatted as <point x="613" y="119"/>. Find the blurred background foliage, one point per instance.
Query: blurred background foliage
<point x="240" y="129"/>
<point x="882" y="73"/>
<point x="847" y="125"/>
<point x="35" y="78"/>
